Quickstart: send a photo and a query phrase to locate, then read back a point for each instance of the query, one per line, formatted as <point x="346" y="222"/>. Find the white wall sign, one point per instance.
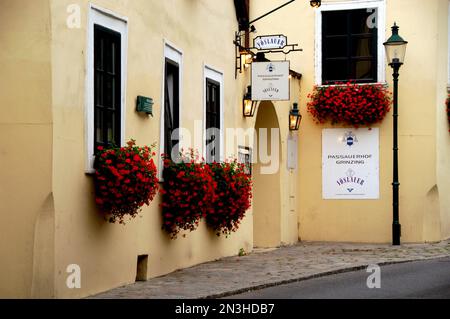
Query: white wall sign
<point x="292" y="149"/>
<point x="270" y="42"/>
<point x="270" y="81"/>
<point x="350" y="163"/>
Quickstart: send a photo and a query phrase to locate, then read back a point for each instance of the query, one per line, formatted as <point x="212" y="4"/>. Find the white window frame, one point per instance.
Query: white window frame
<point x="117" y="23"/>
<point x="174" y="54"/>
<point x="380" y="5"/>
<point x="214" y="74"/>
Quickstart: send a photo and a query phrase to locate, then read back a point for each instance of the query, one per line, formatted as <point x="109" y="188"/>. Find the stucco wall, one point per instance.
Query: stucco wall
<point x="107" y="254"/>
<point x="442" y="125"/>
<point x="424" y="145"/>
<point x="26" y="230"/>
<point x="42" y="140"/>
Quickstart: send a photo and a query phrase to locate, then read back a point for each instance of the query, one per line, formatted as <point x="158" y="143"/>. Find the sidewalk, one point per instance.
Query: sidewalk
<point x="265" y="268"/>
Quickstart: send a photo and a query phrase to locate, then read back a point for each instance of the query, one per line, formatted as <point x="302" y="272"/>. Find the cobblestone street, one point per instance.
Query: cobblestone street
<point x="270" y="267"/>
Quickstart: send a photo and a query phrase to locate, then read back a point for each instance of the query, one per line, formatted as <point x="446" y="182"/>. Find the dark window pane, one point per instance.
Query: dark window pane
<point x="212" y="121"/>
<point x="362" y="69"/>
<point x="349" y="46"/>
<point x="110" y="128"/>
<point x="335" y="22"/>
<point x="335" y="70"/>
<point x="171" y="106"/>
<point x="98" y="126"/>
<point x="362" y="47"/>
<point x="336" y="46"/>
<point x="107" y="90"/>
<point x="359" y="21"/>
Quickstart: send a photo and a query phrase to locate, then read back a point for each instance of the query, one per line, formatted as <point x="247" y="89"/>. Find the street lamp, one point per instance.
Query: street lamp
<point x="295" y="118"/>
<point x="395" y="52"/>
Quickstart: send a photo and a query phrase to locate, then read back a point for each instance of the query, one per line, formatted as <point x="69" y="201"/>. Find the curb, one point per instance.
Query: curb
<point x="314" y="276"/>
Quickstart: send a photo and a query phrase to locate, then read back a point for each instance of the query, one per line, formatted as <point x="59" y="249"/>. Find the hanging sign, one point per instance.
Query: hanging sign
<point x="350" y="163"/>
<point x="270" y="81"/>
<point x="270" y="42"/>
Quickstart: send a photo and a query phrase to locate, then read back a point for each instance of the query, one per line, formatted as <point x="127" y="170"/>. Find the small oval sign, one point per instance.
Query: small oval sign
<point x="270" y="42"/>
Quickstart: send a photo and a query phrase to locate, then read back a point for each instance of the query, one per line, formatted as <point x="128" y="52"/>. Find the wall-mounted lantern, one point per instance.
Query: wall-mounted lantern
<point x="247" y="59"/>
<point x="249" y="106"/>
<point x="295" y="118"/>
<point x="145" y="105"/>
<point x="315" y="3"/>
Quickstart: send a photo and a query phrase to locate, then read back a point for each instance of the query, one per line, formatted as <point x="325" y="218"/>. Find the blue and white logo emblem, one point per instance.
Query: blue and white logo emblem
<point x="271" y="67"/>
<point x="350" y="139"/>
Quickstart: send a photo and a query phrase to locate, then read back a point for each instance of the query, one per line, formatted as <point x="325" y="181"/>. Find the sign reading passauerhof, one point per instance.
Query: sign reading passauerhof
<point x="350" y="163"/>
<point x="270" y="42"/>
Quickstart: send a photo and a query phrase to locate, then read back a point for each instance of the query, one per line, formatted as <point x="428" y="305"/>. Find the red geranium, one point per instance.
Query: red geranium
<point x="233" y="194"/>
<point x="125" y="180"/>
<point x="350" y="103"/>
<point x="188" y="192"/>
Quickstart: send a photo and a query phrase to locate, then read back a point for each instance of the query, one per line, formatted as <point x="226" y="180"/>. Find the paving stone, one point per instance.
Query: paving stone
<point x="268" y="267"/>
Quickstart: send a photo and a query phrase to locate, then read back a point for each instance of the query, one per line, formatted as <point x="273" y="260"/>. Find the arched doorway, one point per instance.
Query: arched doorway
<point x="267" y="197"/>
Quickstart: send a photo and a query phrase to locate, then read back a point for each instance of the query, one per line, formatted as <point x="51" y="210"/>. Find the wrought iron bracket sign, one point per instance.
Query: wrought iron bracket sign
<point x="270" y="44"/>
<point x="262" y="44"/>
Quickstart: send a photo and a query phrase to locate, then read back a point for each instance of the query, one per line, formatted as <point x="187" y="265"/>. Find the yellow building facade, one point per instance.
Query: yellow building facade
<point x="50" y="221"/>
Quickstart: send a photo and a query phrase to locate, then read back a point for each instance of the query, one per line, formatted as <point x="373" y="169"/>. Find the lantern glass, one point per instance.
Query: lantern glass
<point x="395" y="52"/>
<point x="292" y="122"/>
<point x="395" y="47"/>
<point x="248" y="108"/>
<point x="295" y="118"/>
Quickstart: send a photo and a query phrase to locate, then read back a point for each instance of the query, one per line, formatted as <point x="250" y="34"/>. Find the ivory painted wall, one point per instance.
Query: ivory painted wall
<point x="44" y="70"/>
<point x="46" y="199"/>
<point x="108" y="253"/>
<point x="424" y="137"/>
<point x="26" y="123"/>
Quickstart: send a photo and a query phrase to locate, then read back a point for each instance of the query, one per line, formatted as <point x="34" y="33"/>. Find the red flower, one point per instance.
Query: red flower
<point x="186" y="186"/>
<point x="122" y="192"/>
<point x="232" y="198"/>
<point x="349" y="103"/>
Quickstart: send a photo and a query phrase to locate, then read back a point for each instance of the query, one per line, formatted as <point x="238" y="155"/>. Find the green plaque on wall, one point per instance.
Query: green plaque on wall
<point x="145" y="105"/>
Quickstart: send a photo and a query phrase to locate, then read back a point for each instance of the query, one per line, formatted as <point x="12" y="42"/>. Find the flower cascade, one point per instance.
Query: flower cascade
<point x="349" y="103"/>
<point x="188" y="192"/>
<point x="125" y="180"/>
<point x="233" y="194"/>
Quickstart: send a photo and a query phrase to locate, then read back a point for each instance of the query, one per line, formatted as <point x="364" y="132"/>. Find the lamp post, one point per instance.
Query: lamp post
<point x="395" y="52"/>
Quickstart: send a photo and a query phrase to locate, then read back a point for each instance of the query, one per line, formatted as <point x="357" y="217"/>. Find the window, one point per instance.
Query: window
<point x="107" y="87"/>
<point x="171" y="97"/>
<point x="213" y="115"/>
<point x="212" y="121"/>
<point x="171" y="107"/>
<point x="349" y="43"/>
<point x="349" y="47"/>
<point x="105" y="81"/>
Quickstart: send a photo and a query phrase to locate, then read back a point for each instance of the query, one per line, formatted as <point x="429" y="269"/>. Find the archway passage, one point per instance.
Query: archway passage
<point x="267" y="197"/>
